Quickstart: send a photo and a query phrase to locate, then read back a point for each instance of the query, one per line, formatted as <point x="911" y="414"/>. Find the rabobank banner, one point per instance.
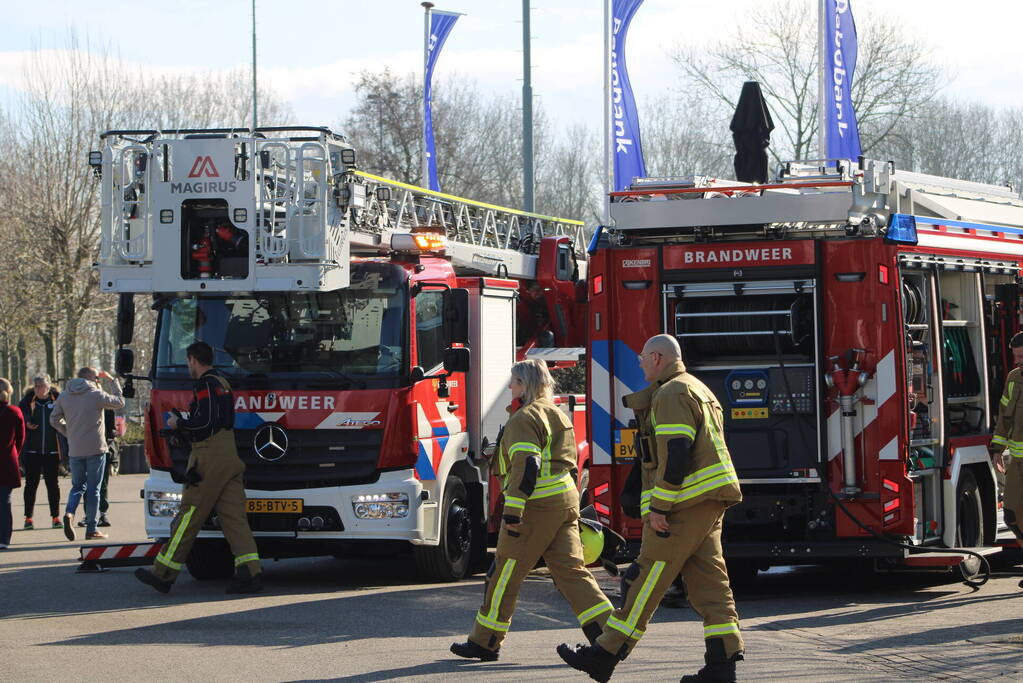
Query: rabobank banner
<point x="441" y="24"/>
<point x="839" y="50"/>
<point x="624" y="133"/>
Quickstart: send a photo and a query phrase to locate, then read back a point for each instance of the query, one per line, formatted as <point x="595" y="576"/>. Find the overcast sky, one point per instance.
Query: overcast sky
<point x="310" y="49"/>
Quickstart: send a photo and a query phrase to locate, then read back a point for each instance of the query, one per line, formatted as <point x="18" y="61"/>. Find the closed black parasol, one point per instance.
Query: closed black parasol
<point x="751" y="132"/>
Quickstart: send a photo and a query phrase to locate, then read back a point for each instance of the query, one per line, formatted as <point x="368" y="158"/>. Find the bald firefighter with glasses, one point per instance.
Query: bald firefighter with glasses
<point x="537" y="458"/>
<point x="688" y="483"/>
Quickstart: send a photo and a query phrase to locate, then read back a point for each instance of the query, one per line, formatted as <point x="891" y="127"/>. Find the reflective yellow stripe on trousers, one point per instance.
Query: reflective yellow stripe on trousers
<point x="172" y="546"/>
<point x="489" y="619"/>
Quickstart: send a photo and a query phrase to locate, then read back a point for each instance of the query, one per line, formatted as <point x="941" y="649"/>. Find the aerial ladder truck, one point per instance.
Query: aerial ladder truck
<point x="366" y="325"/>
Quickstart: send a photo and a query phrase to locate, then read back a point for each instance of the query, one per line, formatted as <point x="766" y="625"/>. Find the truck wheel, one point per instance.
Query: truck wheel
<point x="210" y="559"/>
<point x="969" y="521"/>
<point x="584" y="488"/>
<point x="449" y="559"/>
<point x="742" y="574"/>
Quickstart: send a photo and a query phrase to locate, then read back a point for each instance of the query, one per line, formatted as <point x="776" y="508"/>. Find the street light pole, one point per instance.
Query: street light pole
<point x="527" y="114"/>
<point x="255" y="100"/>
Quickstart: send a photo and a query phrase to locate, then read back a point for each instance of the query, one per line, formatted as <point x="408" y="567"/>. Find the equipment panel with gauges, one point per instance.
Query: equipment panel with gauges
<point x="798" y="381"/>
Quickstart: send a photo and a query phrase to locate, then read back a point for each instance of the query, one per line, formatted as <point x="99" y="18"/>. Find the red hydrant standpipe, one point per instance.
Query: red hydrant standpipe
<point x="848" y="383"/>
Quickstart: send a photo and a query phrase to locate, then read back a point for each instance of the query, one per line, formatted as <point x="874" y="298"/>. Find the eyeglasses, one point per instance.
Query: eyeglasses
<point x="649" y="353"/>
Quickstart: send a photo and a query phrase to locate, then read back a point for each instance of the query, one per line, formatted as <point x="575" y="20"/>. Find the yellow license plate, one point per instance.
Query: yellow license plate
<point x="625" y="443"/>
<point x="273" y="505"/>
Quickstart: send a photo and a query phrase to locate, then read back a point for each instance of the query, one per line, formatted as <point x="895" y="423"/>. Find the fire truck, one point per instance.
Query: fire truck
<point x="367" y="327"/>
<point x="852" y="319"/>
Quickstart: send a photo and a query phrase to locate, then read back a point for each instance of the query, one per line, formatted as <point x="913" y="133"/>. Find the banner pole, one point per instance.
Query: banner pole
<point x="822" y="131"/>
<point x="608" y="162"/>
<point x="425" y="179"/>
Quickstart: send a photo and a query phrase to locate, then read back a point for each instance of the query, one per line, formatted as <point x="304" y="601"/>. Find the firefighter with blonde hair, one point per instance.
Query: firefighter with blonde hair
<point x="536" y="460"/>
<point x="688" y="483"/>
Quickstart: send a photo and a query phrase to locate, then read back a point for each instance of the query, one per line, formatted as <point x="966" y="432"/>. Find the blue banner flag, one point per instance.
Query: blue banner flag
<point x="441" y="24"/>
<point x="839" y="51"/>
<point x="624" y="133"/>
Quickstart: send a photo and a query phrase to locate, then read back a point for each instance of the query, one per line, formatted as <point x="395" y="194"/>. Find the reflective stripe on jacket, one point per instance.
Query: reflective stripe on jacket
<point x="1009" y="426"/>
<point x="684" y="408"/>
<point x="537" y="457"/>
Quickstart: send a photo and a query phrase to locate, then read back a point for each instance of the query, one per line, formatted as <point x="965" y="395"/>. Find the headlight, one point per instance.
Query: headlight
<point x="380" y="505"/>
<point x="163" y="503"/>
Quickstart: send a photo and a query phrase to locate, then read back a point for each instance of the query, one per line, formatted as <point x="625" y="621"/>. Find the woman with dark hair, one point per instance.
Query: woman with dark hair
<point x="12" y="437"/>
<point x="41" y="457"/>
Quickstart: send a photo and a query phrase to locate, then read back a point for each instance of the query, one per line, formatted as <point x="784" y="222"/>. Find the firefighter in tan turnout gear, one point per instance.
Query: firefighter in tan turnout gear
<point x="688" y="482"/>
<point x="1009" y="435"/>
<point x="213" y="479"/>
<point x="537" y="457"/>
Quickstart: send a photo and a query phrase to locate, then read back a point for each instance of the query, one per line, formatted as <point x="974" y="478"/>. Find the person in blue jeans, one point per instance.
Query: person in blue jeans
<point x="12" y="438"/>
<point x="78" y="415"/>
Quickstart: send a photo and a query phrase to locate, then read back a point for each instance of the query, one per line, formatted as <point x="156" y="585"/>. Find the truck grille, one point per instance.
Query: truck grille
<point x="315" y="458"/>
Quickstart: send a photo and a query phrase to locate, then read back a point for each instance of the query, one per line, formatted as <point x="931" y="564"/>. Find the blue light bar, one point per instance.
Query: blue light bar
<point x="901" y="229"/>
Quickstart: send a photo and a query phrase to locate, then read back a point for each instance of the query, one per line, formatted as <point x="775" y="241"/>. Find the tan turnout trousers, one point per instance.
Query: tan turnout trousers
<point x="222" y="487"/>
<point x="693" y="548"/>
<point x="553" y="535"/>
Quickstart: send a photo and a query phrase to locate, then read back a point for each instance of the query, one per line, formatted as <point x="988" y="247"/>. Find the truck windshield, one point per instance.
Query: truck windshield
<point x="339" y="335"/>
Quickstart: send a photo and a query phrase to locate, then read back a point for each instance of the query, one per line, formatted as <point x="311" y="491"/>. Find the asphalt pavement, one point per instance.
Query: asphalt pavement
<point x="374" y="620"/>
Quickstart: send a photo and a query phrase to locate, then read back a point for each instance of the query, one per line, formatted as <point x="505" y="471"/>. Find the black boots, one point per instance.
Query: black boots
<point x="592" y="631"/>
<point x="719" y="667"/>
<point x="244" y="581"/>
<point x="591" y="659"/>
<point x="150" y="579"/>
<point x="471" y="650"/>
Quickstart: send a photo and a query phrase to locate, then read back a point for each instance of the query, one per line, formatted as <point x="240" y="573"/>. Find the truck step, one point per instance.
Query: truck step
<point x="949" y="560"/>
<point x="99" y="558"/>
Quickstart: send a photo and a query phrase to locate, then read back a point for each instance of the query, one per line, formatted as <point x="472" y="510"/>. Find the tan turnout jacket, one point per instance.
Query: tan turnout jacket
<point x="536" y="459"/>
<point x="683" y="407"/>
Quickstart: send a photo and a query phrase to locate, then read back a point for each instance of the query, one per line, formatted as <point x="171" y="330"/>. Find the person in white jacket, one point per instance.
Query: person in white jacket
<point x="78" y="415"/>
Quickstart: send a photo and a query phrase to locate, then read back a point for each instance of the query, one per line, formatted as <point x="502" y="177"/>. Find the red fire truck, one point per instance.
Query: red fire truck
<point x="852" y="319"/>
<point x="367" y="327"/>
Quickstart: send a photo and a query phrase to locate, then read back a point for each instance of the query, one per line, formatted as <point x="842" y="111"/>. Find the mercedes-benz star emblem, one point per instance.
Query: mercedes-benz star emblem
<point x="270" y="442"/>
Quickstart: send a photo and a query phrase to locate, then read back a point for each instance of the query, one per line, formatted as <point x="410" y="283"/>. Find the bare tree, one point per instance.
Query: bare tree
<point x="680" y="138"/>
<point x="51" y="196"/>
<point x="967" y="140"/>
<point x="478" y="142"/>
<point x="777" y="47"/>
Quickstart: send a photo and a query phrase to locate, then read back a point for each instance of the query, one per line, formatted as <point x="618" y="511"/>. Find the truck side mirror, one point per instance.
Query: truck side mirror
<point x="124" y="362"/>
<point x="456" y="359"/>
<point x="125" y="319"/>
<point x="417" y="375"/>
<point x="456" y="316"/>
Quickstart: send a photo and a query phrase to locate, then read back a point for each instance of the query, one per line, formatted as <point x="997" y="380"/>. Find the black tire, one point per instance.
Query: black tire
<point x="210" y="559"/>
<point x="449" y="560"/>
<point x="969" y="521"/>
<point x="584" y="488"/>
<point x="742" y="574"/>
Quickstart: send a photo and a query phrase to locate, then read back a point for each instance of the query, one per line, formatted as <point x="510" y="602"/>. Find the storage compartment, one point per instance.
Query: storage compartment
<point x="754" y="344"/>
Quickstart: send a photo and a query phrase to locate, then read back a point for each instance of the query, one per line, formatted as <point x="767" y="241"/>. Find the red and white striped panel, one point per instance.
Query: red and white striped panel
<point x="93" y="553"/>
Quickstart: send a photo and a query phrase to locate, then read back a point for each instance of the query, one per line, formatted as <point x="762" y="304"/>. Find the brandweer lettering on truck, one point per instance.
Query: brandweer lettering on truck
<point x="734" y="255"/>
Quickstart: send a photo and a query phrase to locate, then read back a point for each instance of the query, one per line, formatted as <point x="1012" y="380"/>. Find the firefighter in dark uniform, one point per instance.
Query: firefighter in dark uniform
<point x="688" y="482"/>
<point x="537" y="458"/>
<point x="213" y="480"/>
<point x="1009" y="436"/>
